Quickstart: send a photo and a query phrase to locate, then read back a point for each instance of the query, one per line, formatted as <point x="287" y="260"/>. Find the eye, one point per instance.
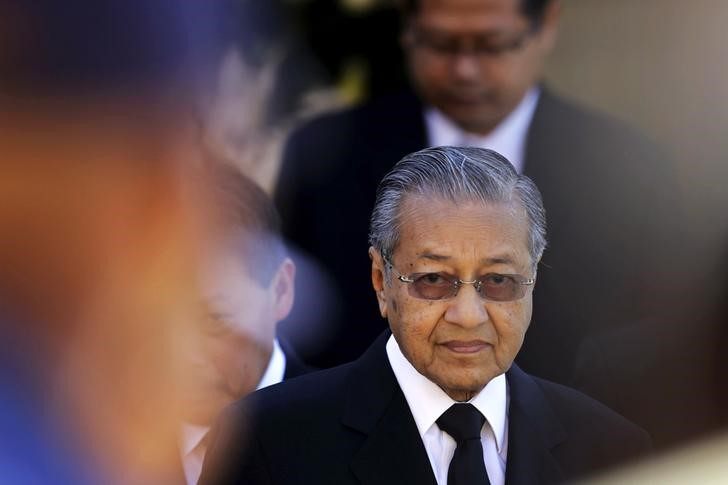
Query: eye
<point x="494" y="49"/>
<point x="444" y="46"/>
<point x="216" y="324"/>
<point x="432" y="286"/>
<point x="495" y="279"/>
<point x="434" y="279"/>
<point x="437" y="43"/>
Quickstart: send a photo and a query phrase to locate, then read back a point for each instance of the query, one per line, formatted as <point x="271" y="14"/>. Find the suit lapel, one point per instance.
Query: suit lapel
<point x="392" y="451"/>
<point x="533" y="431"/>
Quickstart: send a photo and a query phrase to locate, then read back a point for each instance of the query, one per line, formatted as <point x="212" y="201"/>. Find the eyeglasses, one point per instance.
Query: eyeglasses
<point x="447" y="46"/>
<point x="440" y="286"/>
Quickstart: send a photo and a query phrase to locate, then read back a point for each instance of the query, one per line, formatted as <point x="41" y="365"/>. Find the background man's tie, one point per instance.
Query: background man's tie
<point x="463" y="422"/>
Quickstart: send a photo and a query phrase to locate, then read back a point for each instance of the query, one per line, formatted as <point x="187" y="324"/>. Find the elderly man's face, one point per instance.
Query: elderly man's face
<point x="475" y="59"/>
<point x="462" y="342"/>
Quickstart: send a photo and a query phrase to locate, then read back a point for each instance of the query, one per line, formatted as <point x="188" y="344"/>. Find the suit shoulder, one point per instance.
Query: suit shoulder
<point x="598" y="142"/>
<point x="572" y="116"/>
<point x="581" y="115"/>
<point x="584" y="435"/>
<point x="582" y="415"/>
<point x="357" y="143"/>
<point x="298" y="396"/>
<point x="372" y="116"/>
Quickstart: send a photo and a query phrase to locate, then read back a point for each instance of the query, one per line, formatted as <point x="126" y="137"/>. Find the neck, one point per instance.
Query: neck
<point x="460" y="395"/>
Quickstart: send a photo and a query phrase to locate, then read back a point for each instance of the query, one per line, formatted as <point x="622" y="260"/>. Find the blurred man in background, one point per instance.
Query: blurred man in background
<point x="475" y="67"/>
<point x="247" y="288"/>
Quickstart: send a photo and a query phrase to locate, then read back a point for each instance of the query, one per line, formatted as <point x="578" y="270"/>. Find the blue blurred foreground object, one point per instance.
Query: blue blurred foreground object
<point x="88" y="45"/>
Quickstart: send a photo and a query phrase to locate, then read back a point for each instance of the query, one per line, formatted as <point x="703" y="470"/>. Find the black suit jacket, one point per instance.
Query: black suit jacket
<point x="295" y="367"/>
<point x="610" y="198"/>
<point x="351" y="424"/>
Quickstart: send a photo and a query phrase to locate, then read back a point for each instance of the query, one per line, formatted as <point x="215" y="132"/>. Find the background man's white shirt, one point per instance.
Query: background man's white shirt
<point x="427" y="402"/>
<point x="508" y="138"/>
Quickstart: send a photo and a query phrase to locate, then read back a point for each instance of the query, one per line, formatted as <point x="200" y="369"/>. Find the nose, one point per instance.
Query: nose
<point x="467" y="308"/>
<point x="465" y="66"/>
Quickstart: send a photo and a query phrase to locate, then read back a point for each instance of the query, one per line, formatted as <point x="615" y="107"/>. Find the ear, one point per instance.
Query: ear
<point x="550" y="25"/>
<point x="283" y="290"/>
<point x="378" y="280"/>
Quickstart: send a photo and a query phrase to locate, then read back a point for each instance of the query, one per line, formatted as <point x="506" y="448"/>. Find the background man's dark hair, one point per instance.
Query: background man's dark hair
<point x="246" y="210"/>
<point x="532" y="9"/>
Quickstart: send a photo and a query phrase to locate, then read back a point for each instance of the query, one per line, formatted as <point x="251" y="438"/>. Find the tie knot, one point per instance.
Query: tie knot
<point x="462" y="421"/>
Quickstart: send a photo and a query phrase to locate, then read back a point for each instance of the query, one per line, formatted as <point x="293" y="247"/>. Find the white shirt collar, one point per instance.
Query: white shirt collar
<point x="276" y="367"/>
<point x="190" y="437"/>
<point x="427" y="401"/>
<point x="508" y="138"/>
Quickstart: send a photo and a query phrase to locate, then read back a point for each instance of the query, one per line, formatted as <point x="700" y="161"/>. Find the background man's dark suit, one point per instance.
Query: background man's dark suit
<point x="351" y="424"/>
<point x="607" y="193"/>
<point x="294" y="365"/>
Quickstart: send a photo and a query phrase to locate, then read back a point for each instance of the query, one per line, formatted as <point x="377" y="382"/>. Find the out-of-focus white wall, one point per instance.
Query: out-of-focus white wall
<point x="662" y="65"/>
<point x="702" y="462"/>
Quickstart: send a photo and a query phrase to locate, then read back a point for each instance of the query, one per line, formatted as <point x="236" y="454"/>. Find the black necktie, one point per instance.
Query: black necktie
<point x="463" y="422"/>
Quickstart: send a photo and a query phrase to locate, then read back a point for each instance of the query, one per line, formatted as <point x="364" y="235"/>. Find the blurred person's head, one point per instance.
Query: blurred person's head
<point x="456" y="235"/>
<point x="247" y="288"/>
<point x="475" y="59"/>
<point x="263" y="74"/>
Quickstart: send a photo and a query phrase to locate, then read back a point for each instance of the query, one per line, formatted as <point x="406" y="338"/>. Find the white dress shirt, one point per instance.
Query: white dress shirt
<point x="192" y="437"/>
<point x="427" y="402"/>
<point x="508" y="138"/>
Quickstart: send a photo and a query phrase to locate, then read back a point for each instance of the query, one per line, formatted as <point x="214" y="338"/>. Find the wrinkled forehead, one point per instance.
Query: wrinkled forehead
<point x="428" y="205"/>
<point x="464" y="227"/>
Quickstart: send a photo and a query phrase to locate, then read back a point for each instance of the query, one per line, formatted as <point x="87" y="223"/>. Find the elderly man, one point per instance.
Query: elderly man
<point x="456" y="236"/>
<point x="247" y="288"/>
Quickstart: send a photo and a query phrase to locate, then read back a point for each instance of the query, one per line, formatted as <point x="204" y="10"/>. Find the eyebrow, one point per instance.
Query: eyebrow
<point x="434" y="256"/>
<point x="497" y="260"/>
<point x="439" y="32"/>
<point x="489" y="261"/>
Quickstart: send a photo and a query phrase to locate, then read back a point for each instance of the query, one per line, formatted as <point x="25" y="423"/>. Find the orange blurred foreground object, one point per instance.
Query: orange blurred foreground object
<point x="102" y="222"/>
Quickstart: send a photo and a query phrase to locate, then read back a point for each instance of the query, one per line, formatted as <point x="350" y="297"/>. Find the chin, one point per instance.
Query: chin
<point x="471" y="385"/>
<point x="477" y="126"/>
<point x="476" y="381"/>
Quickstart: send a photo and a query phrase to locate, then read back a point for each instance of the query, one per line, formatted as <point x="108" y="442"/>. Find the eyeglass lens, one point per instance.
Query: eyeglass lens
<point x="492" y="286"/>
<point x="446" y="45"/>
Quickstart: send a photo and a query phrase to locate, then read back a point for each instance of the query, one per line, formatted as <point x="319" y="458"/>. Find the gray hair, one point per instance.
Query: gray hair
<point x="454" y="174"/>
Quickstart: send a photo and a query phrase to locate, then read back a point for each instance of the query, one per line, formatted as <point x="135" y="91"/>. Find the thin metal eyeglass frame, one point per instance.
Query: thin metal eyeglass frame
<point x="419" y="40"/>
<point x="457" y="283"/>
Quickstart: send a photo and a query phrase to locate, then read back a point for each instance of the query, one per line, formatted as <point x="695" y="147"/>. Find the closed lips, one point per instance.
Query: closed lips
<point x="466" y="346"/>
